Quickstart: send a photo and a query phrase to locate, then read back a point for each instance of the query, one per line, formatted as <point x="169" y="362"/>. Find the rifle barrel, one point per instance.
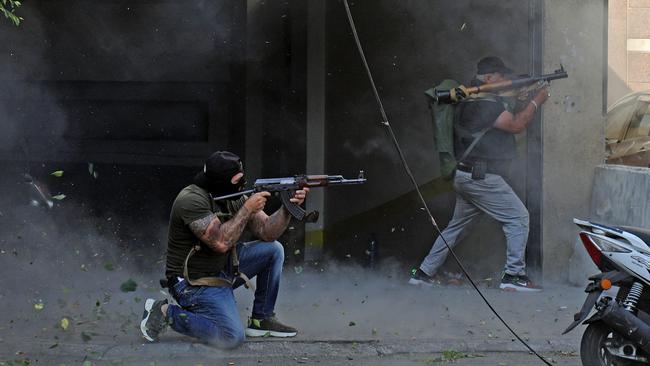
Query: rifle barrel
<point x="233" y="195"/>
<point x="348" y="181"/>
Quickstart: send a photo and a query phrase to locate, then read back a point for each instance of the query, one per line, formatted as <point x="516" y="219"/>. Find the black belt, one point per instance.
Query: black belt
<point x="492" y="168"/>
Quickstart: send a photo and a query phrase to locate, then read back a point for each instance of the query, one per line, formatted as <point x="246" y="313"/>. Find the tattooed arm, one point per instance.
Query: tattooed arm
<point x="269" y="228"/>
<point x="222" y="236"/>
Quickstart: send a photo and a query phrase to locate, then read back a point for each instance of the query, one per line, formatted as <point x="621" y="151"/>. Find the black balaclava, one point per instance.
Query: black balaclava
<point x="217" y="172"/>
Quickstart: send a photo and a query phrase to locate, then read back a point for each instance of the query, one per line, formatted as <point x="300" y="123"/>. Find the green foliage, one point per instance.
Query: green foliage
<point x="8" y="8"/>
<point x="451" y="356"/>
<point x="128" y="286"/>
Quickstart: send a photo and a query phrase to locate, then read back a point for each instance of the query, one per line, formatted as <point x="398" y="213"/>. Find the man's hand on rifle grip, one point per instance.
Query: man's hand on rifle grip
<point x="299" y="196"/>
<point x="256" y="202"/>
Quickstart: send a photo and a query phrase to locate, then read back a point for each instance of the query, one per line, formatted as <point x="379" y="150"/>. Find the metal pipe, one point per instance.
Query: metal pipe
<point x="627" y="324"/>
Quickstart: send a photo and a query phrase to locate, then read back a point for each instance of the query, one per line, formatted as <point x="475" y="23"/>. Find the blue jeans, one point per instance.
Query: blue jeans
<point x="491" y="196"/>
<point x="210" y="313"/>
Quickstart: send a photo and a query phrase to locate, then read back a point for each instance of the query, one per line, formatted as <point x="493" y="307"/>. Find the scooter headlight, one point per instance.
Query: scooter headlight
<point x="608" y="246"/>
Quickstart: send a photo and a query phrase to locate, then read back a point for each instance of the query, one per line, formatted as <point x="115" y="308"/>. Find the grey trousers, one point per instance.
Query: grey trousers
<point x="492" y="196"/>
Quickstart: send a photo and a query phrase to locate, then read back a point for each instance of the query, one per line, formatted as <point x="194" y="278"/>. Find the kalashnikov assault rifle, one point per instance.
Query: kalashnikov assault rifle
<point x="457" y="94"/>
<point x="287" y="186"/>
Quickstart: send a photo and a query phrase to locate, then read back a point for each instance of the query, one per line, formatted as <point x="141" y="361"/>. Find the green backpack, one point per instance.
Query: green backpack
<point x="444" y="114"/>
<point x="443" y="127"/>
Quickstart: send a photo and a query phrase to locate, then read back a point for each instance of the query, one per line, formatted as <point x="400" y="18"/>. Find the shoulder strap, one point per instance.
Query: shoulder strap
<point x="471" y="147"/>
<point x="216" y="281"/>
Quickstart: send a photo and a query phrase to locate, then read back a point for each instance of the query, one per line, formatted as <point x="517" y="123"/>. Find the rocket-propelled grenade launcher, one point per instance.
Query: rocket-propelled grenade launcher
<point x="457" y="94"/>
<point x="286" y="187"/>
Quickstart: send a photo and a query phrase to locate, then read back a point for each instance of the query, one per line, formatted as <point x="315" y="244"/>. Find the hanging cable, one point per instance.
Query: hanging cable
<point x="417" y="188"/>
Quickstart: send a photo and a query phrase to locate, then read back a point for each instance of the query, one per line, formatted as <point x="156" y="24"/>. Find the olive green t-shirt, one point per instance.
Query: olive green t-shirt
<point x="194" y="203"/>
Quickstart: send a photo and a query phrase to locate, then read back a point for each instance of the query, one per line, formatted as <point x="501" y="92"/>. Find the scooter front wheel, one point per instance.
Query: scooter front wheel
<point x="593" y="347"/>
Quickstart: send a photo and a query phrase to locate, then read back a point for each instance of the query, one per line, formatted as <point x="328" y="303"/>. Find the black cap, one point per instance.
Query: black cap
<point x="220" y="167"/>
<point x="222" y="164"/>
<point x="492" y="64"/>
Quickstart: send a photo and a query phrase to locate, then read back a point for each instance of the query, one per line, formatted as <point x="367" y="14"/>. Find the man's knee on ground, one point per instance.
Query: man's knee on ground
<point x="229" y="339"/>
<point x="234" y="340"/>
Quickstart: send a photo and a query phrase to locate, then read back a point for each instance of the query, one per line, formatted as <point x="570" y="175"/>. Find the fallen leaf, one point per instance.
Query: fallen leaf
<point x="65" y="323"/>
<point x="59" y="197"/>
<point x="298" y="269"/>
<point x="58" y="173"/>
<point x="39" y="306"/>
<point x="296" y="252"/>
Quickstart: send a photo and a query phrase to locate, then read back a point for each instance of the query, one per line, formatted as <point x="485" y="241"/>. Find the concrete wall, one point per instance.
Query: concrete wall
<point x="573" y="123"/>
<point x="620" y="196"/>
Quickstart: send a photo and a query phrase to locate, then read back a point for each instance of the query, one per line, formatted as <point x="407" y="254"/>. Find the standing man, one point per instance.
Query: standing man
<point x="478" y="182"/>
<point x="209" y="255"/>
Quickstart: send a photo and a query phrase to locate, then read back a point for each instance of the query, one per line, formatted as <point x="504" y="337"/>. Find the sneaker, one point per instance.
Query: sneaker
<point x="418" y="277"/>
<point x="269" y="327"/>
<point x="153" y="321"/>
<point x="518" y="283"/>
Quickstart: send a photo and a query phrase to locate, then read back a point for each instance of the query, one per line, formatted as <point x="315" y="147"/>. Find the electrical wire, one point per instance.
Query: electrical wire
<point x="417" y="188"/>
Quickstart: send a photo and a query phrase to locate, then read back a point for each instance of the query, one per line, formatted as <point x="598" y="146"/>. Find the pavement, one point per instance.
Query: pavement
<point x="345" y="315"/>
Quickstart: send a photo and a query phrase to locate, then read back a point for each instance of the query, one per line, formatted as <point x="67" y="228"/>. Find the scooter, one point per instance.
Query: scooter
<point x="618" y="332"/>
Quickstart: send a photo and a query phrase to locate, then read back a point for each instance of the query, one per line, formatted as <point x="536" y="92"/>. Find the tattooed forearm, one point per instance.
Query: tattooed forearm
<point x="220" y="236"/>
<point x="229" y="232"/>
<point x="274" y="225"/>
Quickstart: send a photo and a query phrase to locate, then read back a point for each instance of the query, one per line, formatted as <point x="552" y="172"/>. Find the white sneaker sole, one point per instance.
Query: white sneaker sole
<point x="148" y="305"/>
<point x="250" y="332"/>
<point x="416" y="282"/>
<point x="511" y="287"/>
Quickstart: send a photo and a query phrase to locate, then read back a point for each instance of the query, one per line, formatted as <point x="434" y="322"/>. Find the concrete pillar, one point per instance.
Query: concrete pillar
<point x="572" y="122"/>
<point x="617" y="77"/>
<point x="254" y="121"/>
<point x="315" y="123"/>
